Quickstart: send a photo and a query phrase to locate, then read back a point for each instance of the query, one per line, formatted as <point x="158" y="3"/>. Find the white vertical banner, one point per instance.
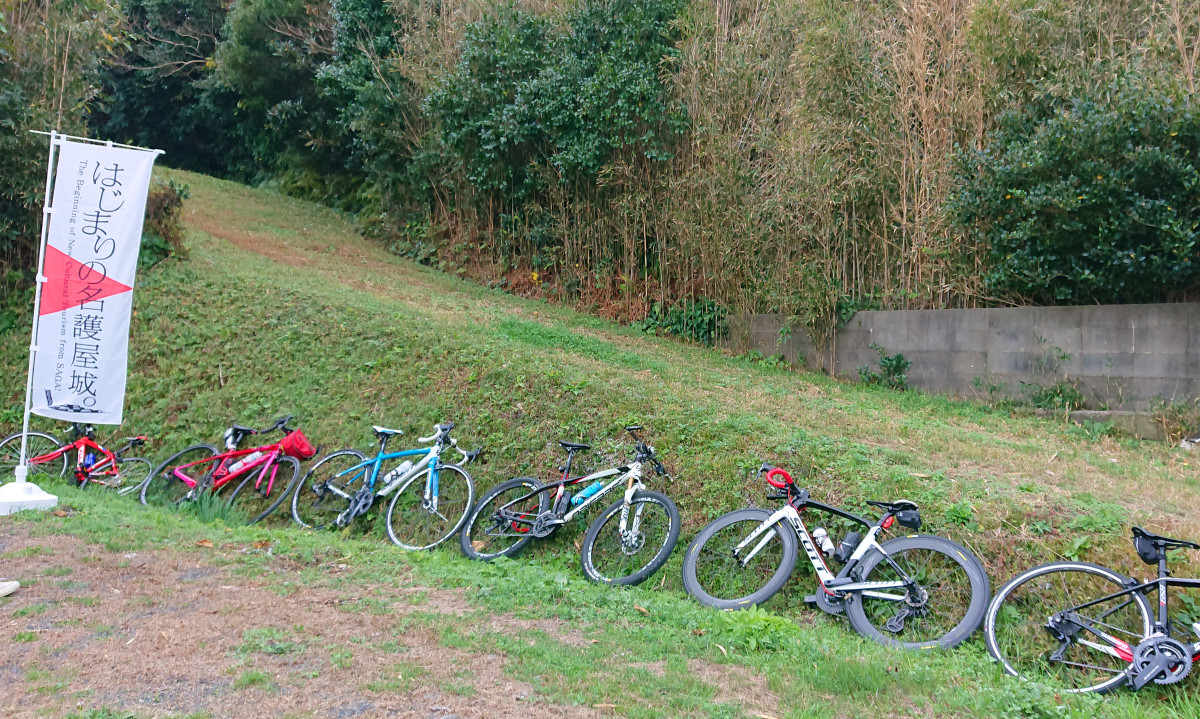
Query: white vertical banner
<point x="93" y="234"/>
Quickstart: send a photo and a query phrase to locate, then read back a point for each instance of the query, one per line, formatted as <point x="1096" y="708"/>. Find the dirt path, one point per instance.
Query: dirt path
<point x="168" y="632"/>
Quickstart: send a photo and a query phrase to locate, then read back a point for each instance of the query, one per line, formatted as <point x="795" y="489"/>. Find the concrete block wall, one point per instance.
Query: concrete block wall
<point x="1119" y="355"/>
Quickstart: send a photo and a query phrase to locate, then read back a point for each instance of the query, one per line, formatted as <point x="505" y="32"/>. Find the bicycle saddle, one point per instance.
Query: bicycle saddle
<point x="385" y="432"/>
<point x="1166" y="542"/>
<point x="574" y="446"/>
<point x="235" y="434"/>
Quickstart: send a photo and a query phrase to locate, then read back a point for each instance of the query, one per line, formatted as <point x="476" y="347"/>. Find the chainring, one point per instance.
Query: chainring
<point x="1147" y="653"/>
<point x="544" y="525"/>
<point x="830" y="604"/>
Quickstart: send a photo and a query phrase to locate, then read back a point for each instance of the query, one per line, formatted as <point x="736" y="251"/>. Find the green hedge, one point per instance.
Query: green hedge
<point x="1097" y="204"/>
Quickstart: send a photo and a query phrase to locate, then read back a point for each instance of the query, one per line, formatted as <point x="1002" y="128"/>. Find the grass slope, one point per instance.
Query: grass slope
<point x="283" y="309"/>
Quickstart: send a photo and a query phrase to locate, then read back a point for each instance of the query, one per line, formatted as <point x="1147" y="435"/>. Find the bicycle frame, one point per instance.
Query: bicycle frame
<point x="105" y="465"/>
<point x="830" y="584"/>
<point x="431" y="455"/>
<point x="269" y="461"/>
<point x="631" y="475"/>
<point x="1122" y="649"/>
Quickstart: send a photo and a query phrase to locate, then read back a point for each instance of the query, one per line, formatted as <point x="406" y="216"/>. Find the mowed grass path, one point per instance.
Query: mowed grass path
<point x="283" y="309"/>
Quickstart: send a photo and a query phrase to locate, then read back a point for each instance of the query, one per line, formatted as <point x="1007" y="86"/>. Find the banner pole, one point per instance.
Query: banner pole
<point x="22" y="470"/>
<point x="21" y="494"/>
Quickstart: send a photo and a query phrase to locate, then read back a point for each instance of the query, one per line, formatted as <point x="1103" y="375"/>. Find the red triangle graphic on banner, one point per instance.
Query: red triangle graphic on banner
<point x="70" y="284"/>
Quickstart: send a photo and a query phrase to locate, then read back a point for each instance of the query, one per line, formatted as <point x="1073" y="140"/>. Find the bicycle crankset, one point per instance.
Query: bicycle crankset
<point x="359" y="504"/>
<point x="545" y="524"/>
<point x="1161" y="660"/>
<point x="827" y="603"/>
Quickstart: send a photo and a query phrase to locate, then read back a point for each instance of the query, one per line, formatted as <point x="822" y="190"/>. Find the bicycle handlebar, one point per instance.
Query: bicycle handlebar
<point x="441" y="432"/>
<point x="280" y="423"/>
<point x="774" y="472"/>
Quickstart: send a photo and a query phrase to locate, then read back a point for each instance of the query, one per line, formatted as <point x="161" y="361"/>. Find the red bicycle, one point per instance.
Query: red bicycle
<point x="267" y="473"/>
<point x="48" y="457"/>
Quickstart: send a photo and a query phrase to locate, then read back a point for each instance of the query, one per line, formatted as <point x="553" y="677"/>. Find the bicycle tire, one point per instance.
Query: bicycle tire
<point x="1107" y="579"/>
<point x="10" y="456"/>
<point x="489" y="504"/>
<point x="324" y="504"/>
<point x="587" y="552"/>
<point x="125" y="467"/>
<point x="700" y="553"/>
<point x="165" y="485"/>
<point x="980" y="590"/>
<point x="441" y="534"/>
<point x="252" y="496"/>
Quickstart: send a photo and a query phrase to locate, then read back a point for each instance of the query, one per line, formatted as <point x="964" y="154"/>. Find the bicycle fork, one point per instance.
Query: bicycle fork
<point x="630" y="534"/>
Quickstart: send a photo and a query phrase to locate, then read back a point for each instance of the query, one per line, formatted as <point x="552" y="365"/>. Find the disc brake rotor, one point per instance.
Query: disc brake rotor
<point x="632" y="543"/>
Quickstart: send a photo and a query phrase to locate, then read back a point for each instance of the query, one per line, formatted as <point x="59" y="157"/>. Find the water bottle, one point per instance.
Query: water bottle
<point x="243" y="462"/>
<point x="821" y="537"/>
<point x="400" y="470"/>
<point x="583" y="496"/>
<point x="89" y="460"/>
<point x="847" y="547"/>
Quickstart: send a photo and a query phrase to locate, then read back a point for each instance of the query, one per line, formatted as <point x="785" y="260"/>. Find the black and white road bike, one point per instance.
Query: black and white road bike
<point x="916" y="592"/>
<point x="1081" y="628"/>
<point x="628" y="542"/>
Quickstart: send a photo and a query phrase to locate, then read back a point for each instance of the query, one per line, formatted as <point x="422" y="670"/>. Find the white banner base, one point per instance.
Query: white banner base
<point x="20" y="495"/>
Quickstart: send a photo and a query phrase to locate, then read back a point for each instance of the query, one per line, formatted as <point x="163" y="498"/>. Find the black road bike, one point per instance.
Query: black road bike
<point x="1086" y="628"/>
<point x="627" y="543"/>
<point x="916" y="592"/>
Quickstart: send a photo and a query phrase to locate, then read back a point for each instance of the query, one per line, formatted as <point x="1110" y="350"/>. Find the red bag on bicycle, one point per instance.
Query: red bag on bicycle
<point x="297" y="445"/>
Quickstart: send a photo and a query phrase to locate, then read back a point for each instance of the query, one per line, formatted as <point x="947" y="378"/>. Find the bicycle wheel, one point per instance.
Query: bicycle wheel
<point x="38" y="444"/>
<point x="413" y="523"/>
<point x="485" y="535"/>
<point x="132" y="472"/>
<point x="715" y="578"/>
<point x="610" y="558"/>
<point x="164" y="487"/>
<point x="257" y="502"/>
<point x="1016" y="626"/>
<point x="949" y="606"/>
<point x="323" y="495"/>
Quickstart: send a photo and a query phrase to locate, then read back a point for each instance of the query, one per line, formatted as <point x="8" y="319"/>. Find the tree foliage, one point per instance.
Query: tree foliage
<point x="1099" y="203"/>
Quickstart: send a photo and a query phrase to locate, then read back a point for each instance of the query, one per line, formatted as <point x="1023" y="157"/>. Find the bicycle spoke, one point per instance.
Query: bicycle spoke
<point x="37" y="446"/>
<point x="1027" y="646"/>
<point x="943" y="598"/>
<point x="412" y="521"/>
<point x="328" y="490"/>
<point x="615" y="555"/>
<point x="720" y="573"/>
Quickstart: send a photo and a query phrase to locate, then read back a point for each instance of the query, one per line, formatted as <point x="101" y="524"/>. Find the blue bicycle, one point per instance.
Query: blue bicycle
<point x="431" y="497"/>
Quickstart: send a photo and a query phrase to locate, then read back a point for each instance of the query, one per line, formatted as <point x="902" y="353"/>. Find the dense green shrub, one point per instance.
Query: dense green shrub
<point x="157" y="87"/>
<point x="46" y="82"/>
<point x="700" y="320"/>
<point x="527" y="95"/>
<point x="1097" y="203"/>
<point x="892" y="373"/>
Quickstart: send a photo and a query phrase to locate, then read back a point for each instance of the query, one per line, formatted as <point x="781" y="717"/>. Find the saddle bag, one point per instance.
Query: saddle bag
<point x="297" y="445"/>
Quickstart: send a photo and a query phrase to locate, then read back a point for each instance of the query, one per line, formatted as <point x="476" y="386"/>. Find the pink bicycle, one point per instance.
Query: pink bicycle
<point x="267" y="473"/>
